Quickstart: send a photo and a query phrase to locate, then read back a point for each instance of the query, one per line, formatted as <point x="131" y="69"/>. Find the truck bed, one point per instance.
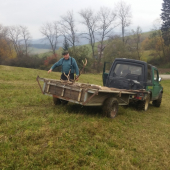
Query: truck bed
<point x="84" y="93"/>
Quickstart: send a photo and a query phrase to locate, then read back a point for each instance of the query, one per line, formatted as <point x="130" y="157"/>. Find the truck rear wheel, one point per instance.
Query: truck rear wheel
<point x="157" y="102"/>
<point x="144" y="104"/>
<point x="110" y="107"/>
<point x="58" y="101"/>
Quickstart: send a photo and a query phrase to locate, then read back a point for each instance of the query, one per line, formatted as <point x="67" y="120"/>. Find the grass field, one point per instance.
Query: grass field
<point x="36" y="134"/>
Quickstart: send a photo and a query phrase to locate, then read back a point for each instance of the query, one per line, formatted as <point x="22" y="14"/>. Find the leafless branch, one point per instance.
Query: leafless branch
<point x="123" y="11"/>
<point x="106" y="18"/>
<point x="68" y="28"/>
<point x="51" y="33"/>
<point x="90" y="21"/>
<point x="25" y="34"/>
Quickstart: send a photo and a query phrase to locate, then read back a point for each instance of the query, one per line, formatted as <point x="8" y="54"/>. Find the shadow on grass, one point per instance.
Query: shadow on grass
<point x="71" y="108"/>
<point x="86" y="110"/>
<point x="92" y="111"/>
<point x="97" y="111"/>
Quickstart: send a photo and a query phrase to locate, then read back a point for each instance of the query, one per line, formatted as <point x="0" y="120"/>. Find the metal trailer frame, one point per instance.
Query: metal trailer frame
<point x="88" y="94"/>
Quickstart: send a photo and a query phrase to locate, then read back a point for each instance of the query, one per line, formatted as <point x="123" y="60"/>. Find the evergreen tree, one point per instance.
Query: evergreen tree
<point x="166" y="21"/>
<point x="65" y="45"/>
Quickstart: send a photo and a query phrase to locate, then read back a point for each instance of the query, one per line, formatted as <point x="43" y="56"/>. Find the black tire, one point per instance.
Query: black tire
<point x="110" y="107"/>
<point x="58" y="101"/>
<point x="157" y="102"/>
<point x="143" y="104"/>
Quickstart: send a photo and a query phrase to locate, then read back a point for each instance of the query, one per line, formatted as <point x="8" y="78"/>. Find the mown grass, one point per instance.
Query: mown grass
<point x="36" y="134"/>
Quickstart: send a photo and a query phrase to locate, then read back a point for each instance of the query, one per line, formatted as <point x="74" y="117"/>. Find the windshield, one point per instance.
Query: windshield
<point x="128" y="71"/>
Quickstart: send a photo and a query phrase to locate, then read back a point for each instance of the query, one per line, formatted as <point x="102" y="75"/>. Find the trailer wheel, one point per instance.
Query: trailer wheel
<point x="144" y="104"/>
<point x="58" y="101"/>
<point x="110" y="107"/>
<point x="157" y="102"/>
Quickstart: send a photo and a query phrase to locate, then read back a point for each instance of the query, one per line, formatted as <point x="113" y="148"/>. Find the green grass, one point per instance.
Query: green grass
<point x="36" y="134"/>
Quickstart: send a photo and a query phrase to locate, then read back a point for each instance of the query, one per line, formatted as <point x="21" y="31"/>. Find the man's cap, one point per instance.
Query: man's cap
<point x="65" y="53"/>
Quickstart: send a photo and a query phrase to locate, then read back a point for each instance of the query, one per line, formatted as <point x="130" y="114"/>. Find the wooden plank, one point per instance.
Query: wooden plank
<point x="79" y="96"/>
<point x="68" y="93"/>
<point x="62" y="93"/>
<point x="48" y="86"/>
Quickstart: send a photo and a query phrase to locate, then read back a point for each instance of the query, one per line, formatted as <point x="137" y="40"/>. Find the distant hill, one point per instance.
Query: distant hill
<point x="43" y="41"/>
<point x="34" y="50"/>
<point x="81" y="41"/>
<point x="41" y="46"/>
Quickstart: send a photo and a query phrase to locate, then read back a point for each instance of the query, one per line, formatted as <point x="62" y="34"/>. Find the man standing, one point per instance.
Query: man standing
<point x="69" y="65"/>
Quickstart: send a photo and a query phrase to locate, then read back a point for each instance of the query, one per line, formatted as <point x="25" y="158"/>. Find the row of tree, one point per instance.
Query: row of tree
<point x="103" y="22"/>
<point x="14" y="42"/>
<point x="104" y="44"/>
<point x="99" y="27"/>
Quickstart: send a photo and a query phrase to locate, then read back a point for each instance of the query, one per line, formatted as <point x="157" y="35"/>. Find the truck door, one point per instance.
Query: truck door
<point x="156" y="85"/>
<point x="106" y="69"/>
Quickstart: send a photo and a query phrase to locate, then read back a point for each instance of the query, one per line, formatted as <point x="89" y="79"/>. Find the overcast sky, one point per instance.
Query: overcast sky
<point x="33" y="13"/>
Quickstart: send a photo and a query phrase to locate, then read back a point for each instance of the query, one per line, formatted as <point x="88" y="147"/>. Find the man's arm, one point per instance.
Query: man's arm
<point x="59" y="63"/>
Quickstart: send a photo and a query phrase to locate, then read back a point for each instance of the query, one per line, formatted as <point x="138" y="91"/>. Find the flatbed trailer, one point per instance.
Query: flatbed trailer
<point x="91" y="95"/>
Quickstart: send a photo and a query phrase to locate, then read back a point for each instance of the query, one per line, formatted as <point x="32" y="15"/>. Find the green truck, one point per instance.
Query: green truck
<point x="127" y="81"/>
<point x="134" y="75"/>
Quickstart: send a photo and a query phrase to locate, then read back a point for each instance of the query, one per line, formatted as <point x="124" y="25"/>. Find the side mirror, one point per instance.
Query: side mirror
<point x="160" y="79"/>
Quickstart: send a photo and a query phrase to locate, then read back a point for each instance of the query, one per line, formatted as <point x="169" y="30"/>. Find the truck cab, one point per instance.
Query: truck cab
<point x="133" y="75"/>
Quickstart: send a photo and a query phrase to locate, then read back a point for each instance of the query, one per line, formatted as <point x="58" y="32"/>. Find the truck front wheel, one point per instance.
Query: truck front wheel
<point x="144" y="104"/>
<point x="110" y="107"/>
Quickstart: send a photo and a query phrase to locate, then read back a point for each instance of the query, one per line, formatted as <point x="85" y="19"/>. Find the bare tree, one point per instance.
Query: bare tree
<point x="25" y="34"/>
<point x="14" y="35"/>
<point x="68" y="28"/>
<point x="124" y="14"/>
<point x="8" y="41"/>
<point x="3" y="36"/>
<point x="106" y="19"/>
<point x="5" y="45"/>
<point x="137" y="40"/>
<point x="3" y="31"/>
<point x="51" y="33"/>
<point x="90" y="21"/>
<point x="20" y="38"/>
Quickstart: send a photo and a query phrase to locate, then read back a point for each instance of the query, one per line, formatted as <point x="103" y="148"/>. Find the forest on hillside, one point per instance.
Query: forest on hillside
<point x="104" y="44"/>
